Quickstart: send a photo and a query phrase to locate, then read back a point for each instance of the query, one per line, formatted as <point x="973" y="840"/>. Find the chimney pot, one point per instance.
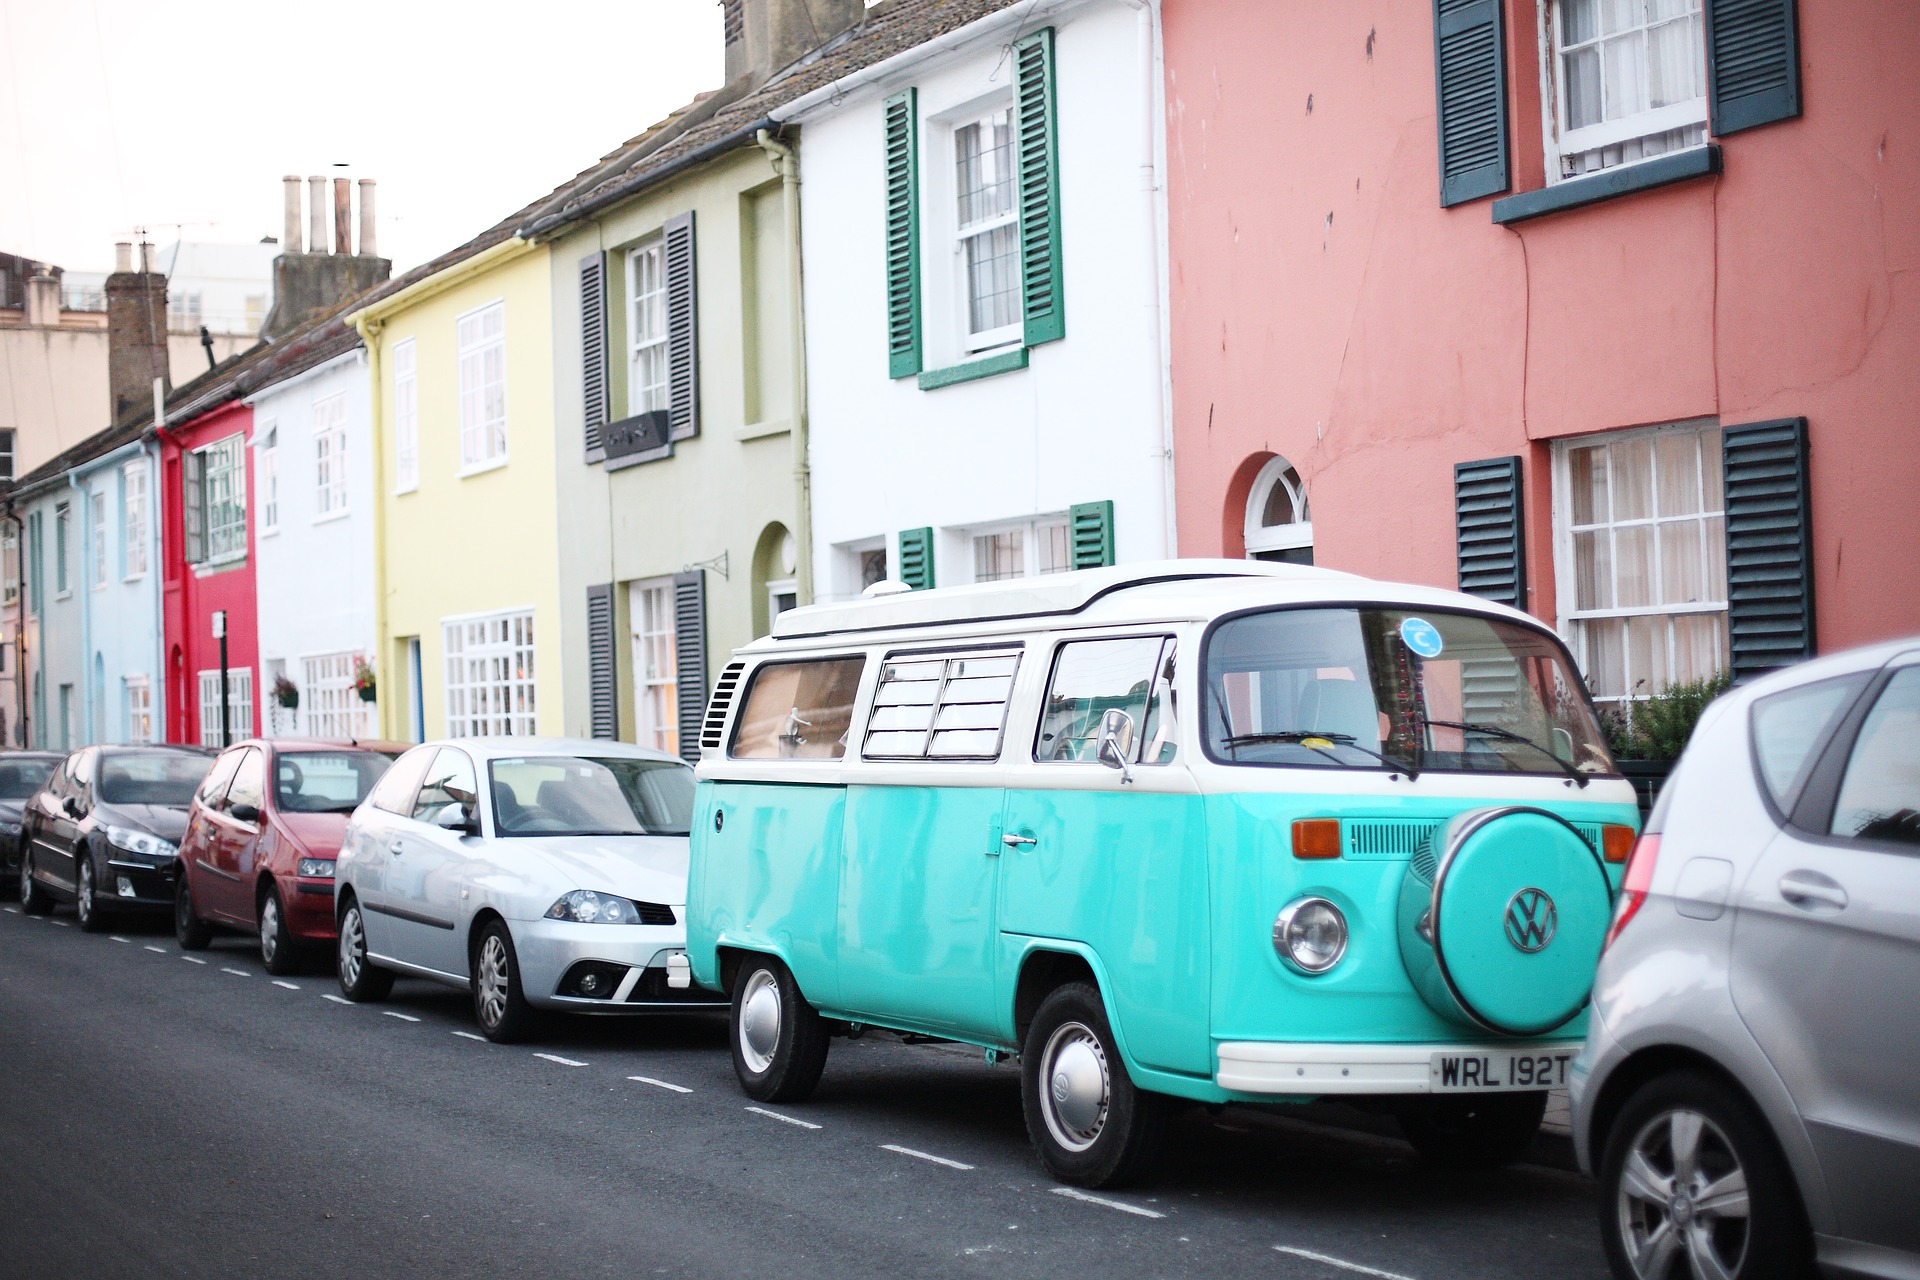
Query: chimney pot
<point x="316" y="214"/>
<point x="343" y="216"/>
<point x="367" y="249"/>
<point x="122" y="255"/>
<point x="146" y="255"/>
<point x="290" y="232"/>
<point x="43" y="298"/>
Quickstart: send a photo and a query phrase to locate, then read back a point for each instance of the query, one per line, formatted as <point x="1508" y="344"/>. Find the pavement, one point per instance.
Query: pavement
<point x="164" y="1114"/>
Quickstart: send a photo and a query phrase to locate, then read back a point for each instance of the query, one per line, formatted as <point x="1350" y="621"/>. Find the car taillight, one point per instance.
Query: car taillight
<point x="1633" y="886"/>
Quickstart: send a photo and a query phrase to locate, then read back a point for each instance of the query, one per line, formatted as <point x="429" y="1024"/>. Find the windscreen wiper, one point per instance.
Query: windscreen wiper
<point x="1495" y="731"/>
<point x="1299" y="737"/>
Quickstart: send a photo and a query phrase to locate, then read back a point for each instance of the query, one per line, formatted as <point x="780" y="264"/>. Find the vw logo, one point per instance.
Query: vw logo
<point x="1531" y="920"/>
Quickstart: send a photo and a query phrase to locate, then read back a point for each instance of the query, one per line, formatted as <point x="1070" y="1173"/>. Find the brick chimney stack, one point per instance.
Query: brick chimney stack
<point x="136" y="331"/>
<point x="764" y="36"/>
<point x="313" y="283"/>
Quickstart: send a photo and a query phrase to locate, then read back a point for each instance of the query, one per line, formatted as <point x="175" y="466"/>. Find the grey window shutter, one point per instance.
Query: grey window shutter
<point x="1753" y="63"/>
<point x="1090" y="534"/>
<point x="1489" y="534"/>
<point x="1470" y="73"/>
<point x="601" y="681"/>
<point x="193" y="511"/>
<point x="593" y="350"/>
<point x="1037" y="159"/>
<point x="690" y="657"/>
<point x="900" y="123"/>
<point x="1769" y="545"/>
<point x="683" y="336"/>
<point x="916" y="558"/>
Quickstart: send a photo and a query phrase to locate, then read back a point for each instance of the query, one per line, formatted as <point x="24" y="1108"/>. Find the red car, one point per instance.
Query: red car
<point x="262" y="834"/>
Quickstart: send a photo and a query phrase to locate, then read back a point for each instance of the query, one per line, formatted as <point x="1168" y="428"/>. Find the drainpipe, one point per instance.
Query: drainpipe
<point x="84" y="589"/>
<point x="25" y="730"/>
<point x="159" y="683"/>
<point x="789" y="166"/>
<point x="370" y="329"/>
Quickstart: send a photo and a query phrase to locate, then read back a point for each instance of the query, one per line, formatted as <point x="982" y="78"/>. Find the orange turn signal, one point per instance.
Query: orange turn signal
<point x="1616" y="842"/>
<point x="1316" y="838"/>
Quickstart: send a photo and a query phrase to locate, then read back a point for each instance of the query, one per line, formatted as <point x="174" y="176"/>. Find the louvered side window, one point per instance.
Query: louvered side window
<point x="1090" y="527"/>
<point x="901" y="127"/>
<point x="1037" y="147"/>
<point x="916" y="558"/>
<point x="713" y="730"/>
<point x="941" y="707"/>
<point x="604" y="699"/>
<point x="1470" y="75"/>
<point x="593" y="351"/>
<point x="1769" y="546"/>
<point x="1489" y="536"/>
<point x="1753" y="63"/>
<point x="690" y="654"/>
<point x="683" y="355"/>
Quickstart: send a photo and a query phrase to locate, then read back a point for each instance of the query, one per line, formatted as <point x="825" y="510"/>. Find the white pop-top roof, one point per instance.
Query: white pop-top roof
<point x="1160" y="590"/>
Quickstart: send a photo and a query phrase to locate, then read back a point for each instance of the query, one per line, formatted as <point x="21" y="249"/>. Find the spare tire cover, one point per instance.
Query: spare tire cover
<point x="1501" y="919"/>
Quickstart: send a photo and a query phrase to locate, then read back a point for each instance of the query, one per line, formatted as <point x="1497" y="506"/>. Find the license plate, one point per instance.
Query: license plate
<point x="1500" y="1070"/>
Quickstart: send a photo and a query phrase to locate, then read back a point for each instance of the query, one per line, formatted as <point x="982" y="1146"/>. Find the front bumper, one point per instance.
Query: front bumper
<point x="309" y="907"/>
<point x="1321" y="1070"/>
<point x="131" y="882"/>
<point x="630" y="959"/>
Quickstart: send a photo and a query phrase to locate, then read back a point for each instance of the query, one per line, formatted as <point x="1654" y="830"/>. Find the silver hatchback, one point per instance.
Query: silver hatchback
<point x="1749" y="1094"/>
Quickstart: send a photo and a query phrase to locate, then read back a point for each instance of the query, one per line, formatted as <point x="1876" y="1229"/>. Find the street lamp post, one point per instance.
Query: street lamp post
<point x="226" y="720"/>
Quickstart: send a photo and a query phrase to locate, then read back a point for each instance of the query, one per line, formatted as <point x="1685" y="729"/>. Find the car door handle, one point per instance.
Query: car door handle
<point x="1811" y="891"/>
<point x="1013" y="841"/>
<point x="397" y="848"/>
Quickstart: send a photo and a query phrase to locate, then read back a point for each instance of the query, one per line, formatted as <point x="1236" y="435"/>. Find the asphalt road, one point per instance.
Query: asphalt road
<point x="160" y="1116"/>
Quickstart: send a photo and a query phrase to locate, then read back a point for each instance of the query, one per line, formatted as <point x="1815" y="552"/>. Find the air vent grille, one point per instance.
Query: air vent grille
<point x="713" y="729"/>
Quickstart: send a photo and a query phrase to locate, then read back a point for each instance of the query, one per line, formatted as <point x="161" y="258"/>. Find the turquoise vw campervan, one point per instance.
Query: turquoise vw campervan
<point x="1204" y="830"/>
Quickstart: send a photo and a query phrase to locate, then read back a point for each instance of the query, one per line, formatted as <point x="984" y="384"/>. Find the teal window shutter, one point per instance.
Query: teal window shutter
<point x="1037" y="159"/>
<point x="916" y="558"/>
<point x="1090" y="534"/>
<point x="1753" y="63"/>
<point x="1489" y="536"/>
<point x="1769" y="545"/>
<point x="1470" y="80"/>
<point x="901" y="123"/>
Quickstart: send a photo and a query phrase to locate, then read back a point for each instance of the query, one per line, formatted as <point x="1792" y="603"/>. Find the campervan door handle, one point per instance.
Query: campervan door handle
<point x="1014" y="842"/>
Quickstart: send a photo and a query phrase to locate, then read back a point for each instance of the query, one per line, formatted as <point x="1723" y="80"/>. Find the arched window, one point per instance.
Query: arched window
<point x="1279" y="525"/>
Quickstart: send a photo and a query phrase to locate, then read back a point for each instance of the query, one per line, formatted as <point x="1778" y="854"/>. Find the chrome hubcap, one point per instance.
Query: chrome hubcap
<point x="491" y="980"/>
<point x="350" y="946"/>
<point x="1683" y="1195"/>
<point x="269" y="928"/>
<point x="760" y="1021"/>
<point x="1075" y="1086"/>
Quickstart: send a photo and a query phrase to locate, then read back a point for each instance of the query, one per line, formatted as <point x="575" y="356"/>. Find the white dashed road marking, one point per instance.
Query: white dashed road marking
<point x="775" y="1115"/>
<point x="404" y="1017"/>
<point x="116" y="937"/>
<point x="159" y="951"/>
<point x="193" y="959"/>
<point x="238" y="973"/>
<point x="1121" y="1205"/>
<point x="335" y="999"/>
<point x="291" y="986"/>
<point x="62" y="923"/>
<point x="1342" y="1263"/>
<point x="13" y="911"/>
<point x="468" y="1035"/>
<point x="565" y="1062"/>
<point x="661" y="1084"/>
<point x="921" y="1155"/>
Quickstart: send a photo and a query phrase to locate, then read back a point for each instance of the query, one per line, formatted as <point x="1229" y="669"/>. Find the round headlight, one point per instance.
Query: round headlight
<point x="1311" y="935"/>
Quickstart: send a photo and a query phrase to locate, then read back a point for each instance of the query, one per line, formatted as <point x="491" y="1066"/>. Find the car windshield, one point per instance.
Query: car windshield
<point x="581" y="796"/>
<point x="1374" y="688"/>
<point x="21" y="778"/>
<point x="151" y="777"/>
<point x="325" y="781"/>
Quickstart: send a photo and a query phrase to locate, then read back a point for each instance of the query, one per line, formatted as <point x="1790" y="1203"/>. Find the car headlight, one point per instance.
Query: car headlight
<point x="584" y="906"/>
<point x="10" y="828"/>
<point x="1311" y="935"/>
<point x="319" y="868"/>
<point x="140" y="842"/>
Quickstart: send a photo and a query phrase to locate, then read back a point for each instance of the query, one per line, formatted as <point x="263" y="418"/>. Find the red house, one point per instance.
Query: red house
<point x="1601" y="309"/>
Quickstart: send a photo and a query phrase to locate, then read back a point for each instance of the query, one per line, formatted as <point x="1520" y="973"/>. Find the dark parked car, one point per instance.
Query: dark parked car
<point x="104" y="832"/>
<point x="21" y="774"/>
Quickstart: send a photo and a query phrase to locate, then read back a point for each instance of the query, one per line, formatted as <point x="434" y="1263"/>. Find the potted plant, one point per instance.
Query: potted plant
<point x="286" y="692"/>
<point x="363" y="682"/>
<point x="1647" y="735"/>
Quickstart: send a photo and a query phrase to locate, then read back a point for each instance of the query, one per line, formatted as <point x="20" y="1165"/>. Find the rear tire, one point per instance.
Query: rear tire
<point x="34" y="900"/>
<point x="86" y="898"/>
<point x="1473" y="1131"/>
<point x="189" y="930"/>
<point x="779" y="1040"/>
<point x="1092" y="1126"/>
<point x="499" y="1004"/>
<point x="278" y="949"/>
<point x="360" y="979"/>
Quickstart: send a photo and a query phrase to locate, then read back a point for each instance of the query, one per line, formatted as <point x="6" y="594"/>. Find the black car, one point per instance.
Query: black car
<point x="21" y="774"/>
<point x="104" y="832"/>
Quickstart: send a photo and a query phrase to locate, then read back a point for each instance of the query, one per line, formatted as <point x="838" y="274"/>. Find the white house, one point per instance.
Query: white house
<point x="313" y="513"/>
<point x="983" y="242"/>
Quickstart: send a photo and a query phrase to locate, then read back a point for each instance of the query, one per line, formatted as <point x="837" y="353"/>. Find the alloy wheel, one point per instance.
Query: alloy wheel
<point x="83" y="903"/>
<point x="1076" y="1086"/>
<point x="491" y="979"/>
<point x="760" y="1021"/>
<point x="269" y="928"/>
<point x="26" y="874"/>
<point x="1683" y="1194"/>
<point x="352" y="947"/>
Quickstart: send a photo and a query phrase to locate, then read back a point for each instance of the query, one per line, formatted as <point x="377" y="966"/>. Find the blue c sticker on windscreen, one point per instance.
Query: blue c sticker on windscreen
<point x="1422" y="637"/>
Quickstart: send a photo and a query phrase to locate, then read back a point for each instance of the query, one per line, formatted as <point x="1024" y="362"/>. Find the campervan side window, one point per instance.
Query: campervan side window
<point x="798" y="710"/>
<point x="1092" y="677"/>
<point x="936" y="706"/>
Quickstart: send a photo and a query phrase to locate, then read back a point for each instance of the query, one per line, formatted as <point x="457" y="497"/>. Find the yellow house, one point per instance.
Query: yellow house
<point x="465" y="543"/>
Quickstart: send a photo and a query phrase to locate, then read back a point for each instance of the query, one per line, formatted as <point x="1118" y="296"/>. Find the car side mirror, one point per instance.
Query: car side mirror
<point x="1116" y="742"/>
<point x="458" y="818"/>
<point x="244" y="812"/>
<point x="70" y="806"/>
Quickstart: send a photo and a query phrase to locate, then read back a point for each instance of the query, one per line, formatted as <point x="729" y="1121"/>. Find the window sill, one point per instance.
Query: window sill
<point x="412" y="488"/>
<point x="207" y="568"/>
<point x="1591" y="188"/>
<point x="331" y="516"/>
<point x="270" y="530"/>
<point x="759" y="430"/>
<point x="480" y="468"/>
<point x="1005" y="362"/>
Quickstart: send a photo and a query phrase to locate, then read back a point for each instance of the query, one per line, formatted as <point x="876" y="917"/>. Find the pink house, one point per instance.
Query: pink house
<point x="1607" y="308"/>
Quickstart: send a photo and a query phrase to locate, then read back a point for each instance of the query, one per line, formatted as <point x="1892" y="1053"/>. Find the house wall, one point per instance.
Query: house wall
<point x="121" y="629"/>
<point x="56" y="647"/>
<point x="1082" y="423"/>
<point x="1326" y="308"/>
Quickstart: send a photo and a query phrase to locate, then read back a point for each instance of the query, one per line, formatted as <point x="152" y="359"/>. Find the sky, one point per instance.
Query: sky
<point x="182" y="116"/>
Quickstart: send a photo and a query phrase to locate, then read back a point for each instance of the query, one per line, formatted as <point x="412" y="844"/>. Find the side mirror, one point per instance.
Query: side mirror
<point x="70" y="806"/>
<point x="1116" y="742"/>
<point x="244" y="812"/>
<point x="458" y="818"/>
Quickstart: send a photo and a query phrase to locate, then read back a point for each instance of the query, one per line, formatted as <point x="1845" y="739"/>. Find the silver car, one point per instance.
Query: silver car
<point x="1750" y="1088"/>
<point x="538" y="873"/>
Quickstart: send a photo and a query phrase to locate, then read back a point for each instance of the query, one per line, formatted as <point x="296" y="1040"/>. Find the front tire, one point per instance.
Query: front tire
<point x="34" y="900"/>
<point x="1092" y="1126"/>
<point x="499" y="1004"/>
<point x="189" y="930"/>
<point x="1691" y="1176"/>
<point x="86" y="904"/>
<point x="278" y="950"/>
<point x="360" y="979"/>
<point x="1473" y="1131"/>
<point x="779" y="1040"/>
